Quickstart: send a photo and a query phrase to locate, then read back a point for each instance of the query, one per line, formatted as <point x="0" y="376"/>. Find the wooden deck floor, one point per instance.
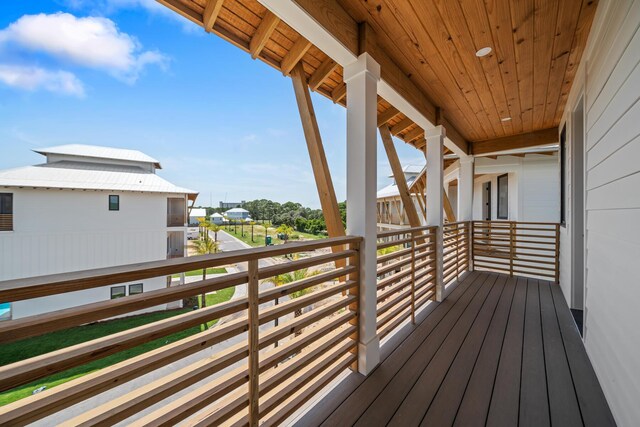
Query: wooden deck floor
<point x="498" y="351"/>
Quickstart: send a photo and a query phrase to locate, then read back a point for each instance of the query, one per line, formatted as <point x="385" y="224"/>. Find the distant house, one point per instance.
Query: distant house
<point x="231" y="205"/>
<point x="217" y="218"/>
<point x="237" y="214"/>
<point x="104" y="207"/>
<point x="197" y="214"/>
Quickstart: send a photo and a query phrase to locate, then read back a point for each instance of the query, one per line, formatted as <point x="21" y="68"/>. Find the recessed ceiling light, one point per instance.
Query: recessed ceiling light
<point x="505" y="119"/>
<point x="483" y="52"/>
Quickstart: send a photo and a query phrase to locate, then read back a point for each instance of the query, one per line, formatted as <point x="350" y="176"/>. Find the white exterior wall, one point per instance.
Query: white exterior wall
<point x="59" y="231"/>
<point x="609" y="80"/>
<point x="534" y="186"/>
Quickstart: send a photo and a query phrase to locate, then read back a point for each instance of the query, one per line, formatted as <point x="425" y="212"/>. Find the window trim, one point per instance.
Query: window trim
<point x="117" y="208"/>
<point x="563" y="176"/>
<point x="136" y="284"/>
<point x="124" y="291"/>
<point x="498" y="197"/>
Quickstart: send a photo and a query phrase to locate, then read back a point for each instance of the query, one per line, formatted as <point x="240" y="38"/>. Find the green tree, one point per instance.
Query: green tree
<point x="285" y="230"/>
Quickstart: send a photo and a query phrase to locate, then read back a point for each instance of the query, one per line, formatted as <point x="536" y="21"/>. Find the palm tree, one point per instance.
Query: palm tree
<point x="205" y="247"/>
<point x="204" y="226"/>
<point x="294" y="276"/>
<point x="214" y="228"/>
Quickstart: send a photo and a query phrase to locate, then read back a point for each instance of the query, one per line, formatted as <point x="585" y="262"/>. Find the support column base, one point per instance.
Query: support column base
<point x="368" y="355"/>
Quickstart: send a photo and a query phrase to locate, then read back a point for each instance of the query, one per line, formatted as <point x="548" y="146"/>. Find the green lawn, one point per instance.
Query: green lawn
<point x="35" y="346"/>
<point x="212" y="270"/>
<point x="258" y="235"/>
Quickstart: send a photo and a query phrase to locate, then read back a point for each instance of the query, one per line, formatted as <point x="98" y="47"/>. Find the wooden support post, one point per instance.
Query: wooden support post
<point x="398" y="175"/>
<point x="327" y="194"/>
<point x="254" y="331"/>
<point x="448" y="210"/>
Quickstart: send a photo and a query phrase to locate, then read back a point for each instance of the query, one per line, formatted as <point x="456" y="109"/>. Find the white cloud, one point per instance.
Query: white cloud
<point x="34" y="78"/>
<point x="93" y="42"/>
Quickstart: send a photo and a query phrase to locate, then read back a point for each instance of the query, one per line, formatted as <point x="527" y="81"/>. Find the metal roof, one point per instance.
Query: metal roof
<point x="98" y="152"/>
<point x="198" y="212"/>
<point x="88" y="176"/>
<point x="237" y="210"/>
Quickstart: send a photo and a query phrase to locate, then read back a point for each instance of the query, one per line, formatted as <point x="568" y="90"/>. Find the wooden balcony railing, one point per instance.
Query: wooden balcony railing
<point x="175" y="220"/>
<point x="6" y="222"/>
<point x="267" y="375"/>
<point x="456" y="249"/>
<point x="406" y="275"/>
<point x="522" y="248"/>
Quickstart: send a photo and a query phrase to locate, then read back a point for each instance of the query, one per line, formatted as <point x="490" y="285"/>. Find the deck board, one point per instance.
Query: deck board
<point x="498" y="351"/>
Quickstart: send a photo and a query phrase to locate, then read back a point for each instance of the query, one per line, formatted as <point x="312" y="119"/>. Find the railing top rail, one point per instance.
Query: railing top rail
<point x="406" y="231"/>
<point x="20" y="289"/>
<point x="494" y="221"/>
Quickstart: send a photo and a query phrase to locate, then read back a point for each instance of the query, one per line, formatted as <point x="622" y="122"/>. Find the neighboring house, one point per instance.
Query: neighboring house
<point x="231" y="205"/>
<point x="522" y="186"/>
<point x="217" y="218"/>
<point x="237" y="214"/>
<point x="105" y="207"/>
<point x="196" y="215"/>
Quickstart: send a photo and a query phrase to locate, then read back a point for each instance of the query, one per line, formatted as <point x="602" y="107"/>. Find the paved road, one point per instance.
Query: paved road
<point x="227" y="243"/>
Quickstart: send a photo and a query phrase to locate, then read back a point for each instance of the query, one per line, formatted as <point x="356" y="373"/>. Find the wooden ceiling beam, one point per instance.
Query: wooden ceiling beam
<point x="339" y="92"/>
<point x="322" y="73"/>
<point x="525" y="140"/>
<point x="295" y="54"/>
<point x="263" y="33"/>
<point x="387" y="115"/>
<point x="400" y="126"/>
<point x="210" y="14"/>
<point x="413" y="134"/>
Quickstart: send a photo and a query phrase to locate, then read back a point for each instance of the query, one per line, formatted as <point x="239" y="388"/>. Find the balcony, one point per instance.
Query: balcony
<point x="499" y="349"/>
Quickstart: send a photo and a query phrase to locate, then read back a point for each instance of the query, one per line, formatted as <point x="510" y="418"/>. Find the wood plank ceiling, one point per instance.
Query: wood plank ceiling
<point x="536" y="47"/>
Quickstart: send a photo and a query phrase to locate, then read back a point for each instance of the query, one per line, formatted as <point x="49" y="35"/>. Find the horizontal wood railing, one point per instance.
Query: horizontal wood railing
<point x="6" y="222"/>
<point x="268" y="374"/>
<point x="520" y="248"/>
<point x="406" y="275"/>
<point x="456" y="249"/>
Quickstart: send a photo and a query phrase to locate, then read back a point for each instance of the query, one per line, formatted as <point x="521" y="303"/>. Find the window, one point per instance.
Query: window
<point x="6" y="211"/>
<point x="503" y="197"/>
<point x="135" y="289"/>
<point x="563" y="175"/>
<point x="114" y="203"/>
<point x="118" y="292"/>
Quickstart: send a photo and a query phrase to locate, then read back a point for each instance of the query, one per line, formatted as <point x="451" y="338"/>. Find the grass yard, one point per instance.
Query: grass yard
<point x="35" y="346"/>
<point x="258" y="235"/>
<point x="212" y="270"/>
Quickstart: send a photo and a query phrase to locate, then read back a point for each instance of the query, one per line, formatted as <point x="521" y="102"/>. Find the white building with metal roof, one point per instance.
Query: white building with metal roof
<point x="104" y="207"/>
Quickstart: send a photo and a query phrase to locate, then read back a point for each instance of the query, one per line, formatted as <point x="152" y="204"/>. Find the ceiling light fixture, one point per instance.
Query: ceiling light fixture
<point x="505" y="119"/>
<point x="483" y="52"/>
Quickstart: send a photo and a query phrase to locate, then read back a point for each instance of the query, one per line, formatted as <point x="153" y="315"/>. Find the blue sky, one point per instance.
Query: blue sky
<point x="133" y="74"/>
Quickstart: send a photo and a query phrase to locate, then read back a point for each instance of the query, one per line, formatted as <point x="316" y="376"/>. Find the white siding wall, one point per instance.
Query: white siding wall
<point x="610" y="82"/>
<point x="534" y="186"/>
<point x="59" y="231"/>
